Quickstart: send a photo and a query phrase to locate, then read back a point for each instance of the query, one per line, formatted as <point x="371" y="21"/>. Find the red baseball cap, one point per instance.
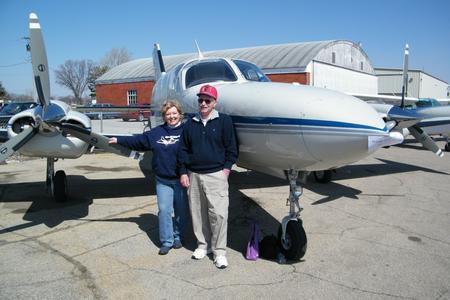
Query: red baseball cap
<point x="208" y="90"/>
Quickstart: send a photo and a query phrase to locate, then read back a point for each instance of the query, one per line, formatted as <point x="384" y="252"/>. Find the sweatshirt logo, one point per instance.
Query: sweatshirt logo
<point x="169" y="139"/>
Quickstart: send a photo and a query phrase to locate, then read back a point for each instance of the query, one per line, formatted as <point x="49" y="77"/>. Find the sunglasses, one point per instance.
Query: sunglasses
<point x="207" y="101"/>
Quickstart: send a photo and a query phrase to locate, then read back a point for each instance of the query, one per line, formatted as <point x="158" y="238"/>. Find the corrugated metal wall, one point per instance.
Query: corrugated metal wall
<point x="342" y="79"/>
<point x="420" y="84"/>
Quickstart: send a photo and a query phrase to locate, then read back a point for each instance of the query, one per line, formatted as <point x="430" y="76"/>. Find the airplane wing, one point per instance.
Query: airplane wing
<point x="387" y="99"/>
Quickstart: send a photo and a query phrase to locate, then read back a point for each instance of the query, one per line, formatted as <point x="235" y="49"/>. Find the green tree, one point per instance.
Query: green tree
<point x="3" y="92"/>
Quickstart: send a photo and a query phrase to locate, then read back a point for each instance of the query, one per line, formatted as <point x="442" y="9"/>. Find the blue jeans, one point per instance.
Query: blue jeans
<point x="172" y="198"/>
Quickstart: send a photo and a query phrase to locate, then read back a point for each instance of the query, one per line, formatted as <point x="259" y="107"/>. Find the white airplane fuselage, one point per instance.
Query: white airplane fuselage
<point x="436" y="120"/>
<point x="283" y="126"/>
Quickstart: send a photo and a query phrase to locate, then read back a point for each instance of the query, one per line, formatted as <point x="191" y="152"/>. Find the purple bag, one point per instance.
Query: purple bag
<point x="253" y="242"/>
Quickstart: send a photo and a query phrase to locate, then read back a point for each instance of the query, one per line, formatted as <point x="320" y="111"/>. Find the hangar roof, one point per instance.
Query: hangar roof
<point x="282" y="58"/>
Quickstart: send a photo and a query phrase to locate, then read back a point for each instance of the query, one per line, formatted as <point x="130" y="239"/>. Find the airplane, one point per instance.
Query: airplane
<point x="45" y="130"/>
<point x="282" y="129"/>
<point x="434" y="120"/>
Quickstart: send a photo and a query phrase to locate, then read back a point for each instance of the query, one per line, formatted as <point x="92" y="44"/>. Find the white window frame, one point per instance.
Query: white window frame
<point x="132" y="97"/>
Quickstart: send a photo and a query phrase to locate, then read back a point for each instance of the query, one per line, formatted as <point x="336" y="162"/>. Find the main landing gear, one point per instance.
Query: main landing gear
<point x="56" y="182"/>
<point x="291" y="234"/>
<point x="322" y="176"/>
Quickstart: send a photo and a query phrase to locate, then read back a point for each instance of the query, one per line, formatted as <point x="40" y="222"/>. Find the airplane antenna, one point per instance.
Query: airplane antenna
<point x="200" y="54"/>
<point x="405" y="76"/>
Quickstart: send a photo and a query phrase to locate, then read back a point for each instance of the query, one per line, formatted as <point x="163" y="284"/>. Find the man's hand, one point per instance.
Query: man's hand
<point x="184" y="181"/>
<point x="112" y="140"/>
<point x="226" y="172"/>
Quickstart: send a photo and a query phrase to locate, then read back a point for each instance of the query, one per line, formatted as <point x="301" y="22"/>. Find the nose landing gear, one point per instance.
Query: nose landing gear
<point x="291" y="235"/>
<point x="56" y="182"/>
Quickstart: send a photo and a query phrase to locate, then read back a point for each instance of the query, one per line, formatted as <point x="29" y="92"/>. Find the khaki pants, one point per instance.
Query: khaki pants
<point x="208" y="202"/>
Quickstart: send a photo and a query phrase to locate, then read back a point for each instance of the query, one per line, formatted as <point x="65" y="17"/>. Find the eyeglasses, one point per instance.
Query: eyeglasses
<point x="207" y="101"/>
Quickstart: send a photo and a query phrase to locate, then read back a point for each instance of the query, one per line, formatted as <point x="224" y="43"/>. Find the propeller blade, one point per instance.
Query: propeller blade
<point x="405" y="76"/>
<point x="12" y="145"/>
<point x="426" y="140"/>
<point x="99" y="141"/>
<point x="39" y="61"/>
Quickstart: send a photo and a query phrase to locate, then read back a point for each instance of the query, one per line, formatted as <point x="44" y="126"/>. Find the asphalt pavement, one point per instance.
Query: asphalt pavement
<point x="379" y="230"/>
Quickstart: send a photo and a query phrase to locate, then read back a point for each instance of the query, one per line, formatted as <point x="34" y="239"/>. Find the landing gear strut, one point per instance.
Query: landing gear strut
<point x="291" y="234"/>
<point x="56" y="182"/>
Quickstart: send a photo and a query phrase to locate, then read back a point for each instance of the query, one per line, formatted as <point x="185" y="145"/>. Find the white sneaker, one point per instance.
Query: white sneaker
<point x="221" y="262"/>
<point x="200" y="253"/>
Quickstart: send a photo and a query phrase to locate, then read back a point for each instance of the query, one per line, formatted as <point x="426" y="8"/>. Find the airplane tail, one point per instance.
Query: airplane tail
<point x="158" y="63"/>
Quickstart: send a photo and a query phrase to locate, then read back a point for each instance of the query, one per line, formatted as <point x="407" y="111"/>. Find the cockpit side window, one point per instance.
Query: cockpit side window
<point x="209" y="71"/>
<point x="250" y="71"/>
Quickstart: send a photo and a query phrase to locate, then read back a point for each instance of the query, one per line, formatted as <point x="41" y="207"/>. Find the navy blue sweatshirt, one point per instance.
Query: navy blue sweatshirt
<point x="210" y="148"/>
<point x="164" y="142"/>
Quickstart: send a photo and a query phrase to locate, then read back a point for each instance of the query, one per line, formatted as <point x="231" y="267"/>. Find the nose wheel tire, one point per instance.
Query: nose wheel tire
<point x="295" y="243"/>
<point x="447" y="147"/>
<point x="60" y="186"/>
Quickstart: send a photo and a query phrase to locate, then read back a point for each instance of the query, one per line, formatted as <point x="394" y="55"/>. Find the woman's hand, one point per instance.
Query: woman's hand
<point x="184" y="180"/>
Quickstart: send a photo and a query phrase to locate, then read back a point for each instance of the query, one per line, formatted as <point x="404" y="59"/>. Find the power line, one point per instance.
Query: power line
<point x="16" y="64"/>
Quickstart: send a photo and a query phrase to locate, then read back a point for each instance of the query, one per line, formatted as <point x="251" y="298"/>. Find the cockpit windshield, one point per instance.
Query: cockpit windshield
<point x="209" y="71"/>
<point x="250" y="71"/>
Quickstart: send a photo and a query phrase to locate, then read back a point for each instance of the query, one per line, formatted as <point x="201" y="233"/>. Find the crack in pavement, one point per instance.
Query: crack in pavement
<point x="353" y="288"/>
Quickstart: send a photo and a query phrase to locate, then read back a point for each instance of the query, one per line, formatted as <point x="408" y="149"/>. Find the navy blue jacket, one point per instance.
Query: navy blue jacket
<point x="210" y="148"/>
<point x="164" y="142"/>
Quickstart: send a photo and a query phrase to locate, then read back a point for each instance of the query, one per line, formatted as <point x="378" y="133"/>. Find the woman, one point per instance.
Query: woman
<point x="164" y="142"/>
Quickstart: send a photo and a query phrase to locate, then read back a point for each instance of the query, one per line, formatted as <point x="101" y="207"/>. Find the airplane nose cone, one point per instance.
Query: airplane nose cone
<point x="53" y="113"/>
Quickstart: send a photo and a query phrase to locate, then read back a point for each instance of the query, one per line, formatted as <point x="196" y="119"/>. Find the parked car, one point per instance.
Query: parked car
<point x="141" y="115"/>
<point x="96" y="113"/>
<point x="7" y="112"/>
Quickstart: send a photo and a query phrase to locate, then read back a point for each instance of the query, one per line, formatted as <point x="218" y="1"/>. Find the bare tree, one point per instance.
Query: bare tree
<point x="115" y="57"/>
<point x="20" y="97"/>
<point x="74" y="74"/>
<point x="110" y="60"/>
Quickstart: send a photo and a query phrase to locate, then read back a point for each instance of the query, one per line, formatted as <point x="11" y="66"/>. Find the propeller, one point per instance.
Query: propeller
<point x="98" y="141"/>
<point x="12" y="145"/>
<point x="410" y="118"/>
<point x="42" y="85"/>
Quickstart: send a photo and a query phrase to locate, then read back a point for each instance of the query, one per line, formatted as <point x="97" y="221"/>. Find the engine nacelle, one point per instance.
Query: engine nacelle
<point x="50" y="141"/>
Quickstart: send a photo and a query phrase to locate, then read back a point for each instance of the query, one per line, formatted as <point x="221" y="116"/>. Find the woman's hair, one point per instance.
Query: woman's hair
<point x="169" y="104"/>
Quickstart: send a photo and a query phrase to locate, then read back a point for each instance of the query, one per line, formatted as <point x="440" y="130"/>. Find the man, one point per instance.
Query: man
<point x="207" y="152"/>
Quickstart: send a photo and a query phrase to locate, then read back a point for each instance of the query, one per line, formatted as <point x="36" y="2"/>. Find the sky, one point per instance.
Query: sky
<point x="88" y="29"/>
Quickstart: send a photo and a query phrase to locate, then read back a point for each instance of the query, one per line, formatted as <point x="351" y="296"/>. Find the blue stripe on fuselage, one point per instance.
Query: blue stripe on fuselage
<point x="302" y="122"/>
<point x="430" y="123"/>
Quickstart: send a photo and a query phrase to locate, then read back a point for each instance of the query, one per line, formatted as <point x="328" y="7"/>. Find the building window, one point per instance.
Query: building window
<point x="361" y="66"/>
<point x="132" y="97"/>
<point x="333" y="57"/>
